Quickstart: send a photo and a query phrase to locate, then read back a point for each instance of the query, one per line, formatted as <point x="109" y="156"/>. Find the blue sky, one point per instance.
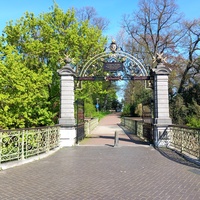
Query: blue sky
<point x="113" y="10"/>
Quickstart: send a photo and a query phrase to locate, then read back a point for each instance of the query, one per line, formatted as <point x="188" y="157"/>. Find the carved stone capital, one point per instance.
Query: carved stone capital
<point x="66" y="71"/>
<point x="161" y="69"/>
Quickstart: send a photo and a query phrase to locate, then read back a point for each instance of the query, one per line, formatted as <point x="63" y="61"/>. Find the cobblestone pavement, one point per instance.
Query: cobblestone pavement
<point x="103" y="172"/>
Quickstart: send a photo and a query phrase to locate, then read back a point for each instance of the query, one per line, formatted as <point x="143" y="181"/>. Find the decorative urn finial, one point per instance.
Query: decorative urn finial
<point x="113" y="46"/>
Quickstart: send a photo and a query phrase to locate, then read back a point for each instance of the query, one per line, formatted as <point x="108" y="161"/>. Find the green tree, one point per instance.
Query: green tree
<point x="40" y="44"/>
<point x="105" y="92"/>
<point x="23" y="92"/>
<point x="135" y="95"/>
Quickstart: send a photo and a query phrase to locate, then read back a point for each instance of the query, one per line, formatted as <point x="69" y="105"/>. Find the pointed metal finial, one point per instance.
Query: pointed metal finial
<point x="159" y="58"/>
<point x="67" y="59"/>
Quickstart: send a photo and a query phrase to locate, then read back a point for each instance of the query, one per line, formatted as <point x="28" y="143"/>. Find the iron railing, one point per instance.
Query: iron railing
<point x="20" y="144"/>
<point x="184" y="139"/>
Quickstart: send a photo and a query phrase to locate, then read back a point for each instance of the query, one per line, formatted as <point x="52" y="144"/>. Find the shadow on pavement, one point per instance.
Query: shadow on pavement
<point x="112" y="137"/>
<point x="166" y="152"/>
<point x="134" y="138"/>
<point x="177" y="157"/>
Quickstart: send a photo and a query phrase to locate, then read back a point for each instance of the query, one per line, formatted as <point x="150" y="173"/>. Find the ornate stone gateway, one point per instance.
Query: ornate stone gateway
<point x="112" y="65"/>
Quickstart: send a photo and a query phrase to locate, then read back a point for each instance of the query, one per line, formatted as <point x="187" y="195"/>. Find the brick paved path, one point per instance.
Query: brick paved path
<point x="104" y="133"/>
<point x="102" y="172"/>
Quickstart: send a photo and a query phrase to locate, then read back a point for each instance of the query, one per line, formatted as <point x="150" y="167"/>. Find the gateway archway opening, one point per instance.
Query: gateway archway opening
<point x="112" y="65"/>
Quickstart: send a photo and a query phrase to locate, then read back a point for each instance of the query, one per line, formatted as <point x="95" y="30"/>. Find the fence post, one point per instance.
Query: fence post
<point x="67" y="118"/>
<point x="0" y="146"/>
<point x="22" y="146"/>
<point x="199" y="145"/>
<point x="48" y="139"/>
<point x="181" y="141"/>
<point x="39" y="140"/>
<point x="161" y="101"/>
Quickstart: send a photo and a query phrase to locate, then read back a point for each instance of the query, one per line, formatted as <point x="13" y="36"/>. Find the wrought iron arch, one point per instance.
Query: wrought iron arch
<point x="116" y="60"/>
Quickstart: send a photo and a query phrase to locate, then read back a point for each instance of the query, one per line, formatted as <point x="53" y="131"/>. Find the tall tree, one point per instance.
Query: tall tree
<point x="187" y="77"/>
<point x="154" y="28"/>
<point x="41" y="42"/>
<point x="159" y="28"/>
<point x="189" y="66"/>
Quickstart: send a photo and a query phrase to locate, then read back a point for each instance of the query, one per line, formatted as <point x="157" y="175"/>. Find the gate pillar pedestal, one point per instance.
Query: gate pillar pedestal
<point x="67" y="136"/>
<point x="67" y="119"/>
<point x="161" y="105"/>
<point x="160" y="135"/>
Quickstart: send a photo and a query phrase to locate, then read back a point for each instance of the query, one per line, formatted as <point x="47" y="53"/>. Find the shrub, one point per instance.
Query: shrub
<point x="193" y="122"/>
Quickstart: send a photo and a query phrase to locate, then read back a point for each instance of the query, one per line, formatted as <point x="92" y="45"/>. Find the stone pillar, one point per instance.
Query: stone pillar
<point x="67" y="118"/>
<point x="161" y="105"/>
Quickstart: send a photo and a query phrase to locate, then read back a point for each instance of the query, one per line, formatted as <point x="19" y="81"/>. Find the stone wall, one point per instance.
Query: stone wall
<point x="90" y="125"/>
<point x="134" y="125"/>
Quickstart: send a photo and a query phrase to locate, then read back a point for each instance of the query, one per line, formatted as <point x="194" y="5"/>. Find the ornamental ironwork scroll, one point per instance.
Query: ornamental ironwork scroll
<point x="20" y="144"/>
<point x="185" y="140"/>
<point x="113" y="64"/>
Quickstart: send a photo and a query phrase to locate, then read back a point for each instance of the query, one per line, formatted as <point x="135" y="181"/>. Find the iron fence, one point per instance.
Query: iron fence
<point x="184" y="139"/>
<point x="20" y="144"/>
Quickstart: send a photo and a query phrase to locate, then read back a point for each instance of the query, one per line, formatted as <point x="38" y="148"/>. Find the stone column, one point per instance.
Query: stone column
<point x="161" y="105"/>
<point x="67" y="118"/>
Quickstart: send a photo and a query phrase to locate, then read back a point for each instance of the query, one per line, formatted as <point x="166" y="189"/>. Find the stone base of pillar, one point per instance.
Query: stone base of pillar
<point x="161" y="138"/>
<point x="66" y="122"/>
<point x="67" y="136"/>
<point x="162" y="121"/>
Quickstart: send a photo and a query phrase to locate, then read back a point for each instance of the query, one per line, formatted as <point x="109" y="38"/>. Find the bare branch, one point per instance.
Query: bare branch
<point x="156" y="26"/>
<point x="90" y="14"/>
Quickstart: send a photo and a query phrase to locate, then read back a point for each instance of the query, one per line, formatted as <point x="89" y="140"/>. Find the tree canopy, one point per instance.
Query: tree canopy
<point x="31" y="52"/>
<point x="157" y="26"/>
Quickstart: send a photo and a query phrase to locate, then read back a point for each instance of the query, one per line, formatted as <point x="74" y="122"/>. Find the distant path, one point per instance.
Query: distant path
<point x="104" y="133"/>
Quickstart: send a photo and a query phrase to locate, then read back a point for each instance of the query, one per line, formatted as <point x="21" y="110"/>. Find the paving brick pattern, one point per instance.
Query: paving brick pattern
<point x="103" y="172"/>
<point x="104" y="133"/>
